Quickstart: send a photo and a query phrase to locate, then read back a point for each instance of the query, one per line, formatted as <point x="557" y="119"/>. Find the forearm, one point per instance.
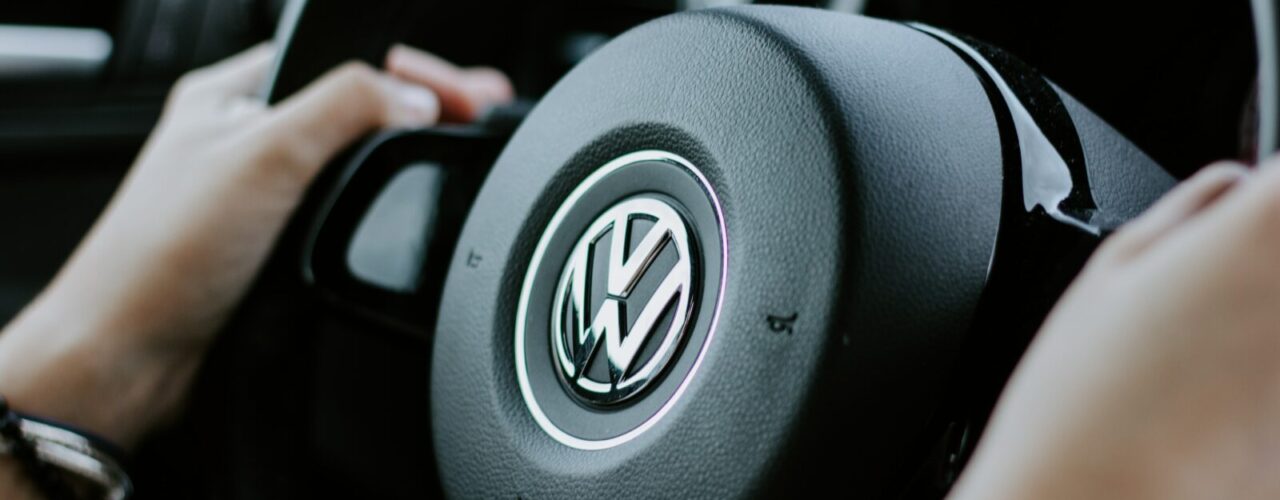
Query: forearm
<point x="73" y="360"/>
<point x="79" y="364"/>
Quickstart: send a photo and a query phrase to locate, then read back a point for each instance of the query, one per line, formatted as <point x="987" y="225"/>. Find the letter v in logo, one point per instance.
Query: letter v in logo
<point x="577" y="329"/>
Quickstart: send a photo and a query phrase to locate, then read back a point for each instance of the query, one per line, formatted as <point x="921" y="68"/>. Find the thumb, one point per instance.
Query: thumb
<point x="347" y="102"/>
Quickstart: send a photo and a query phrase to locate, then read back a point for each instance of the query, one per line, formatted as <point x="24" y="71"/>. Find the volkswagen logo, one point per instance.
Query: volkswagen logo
<point x="581" y="329"/>
<point x="620" y="300"/>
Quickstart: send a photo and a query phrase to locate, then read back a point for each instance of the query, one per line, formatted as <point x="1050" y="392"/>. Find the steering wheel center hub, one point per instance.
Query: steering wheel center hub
<point x="697" y="268"/>
<point x="620" y="299"/>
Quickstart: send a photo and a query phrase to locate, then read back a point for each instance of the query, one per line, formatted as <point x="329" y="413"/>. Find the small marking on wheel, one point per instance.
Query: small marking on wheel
<point x="782" y="324"/>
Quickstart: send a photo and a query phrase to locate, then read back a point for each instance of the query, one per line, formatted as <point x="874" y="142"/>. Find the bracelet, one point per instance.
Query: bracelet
<point x="49" y="452"/>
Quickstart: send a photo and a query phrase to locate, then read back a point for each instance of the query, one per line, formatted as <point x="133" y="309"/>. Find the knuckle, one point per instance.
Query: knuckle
<point x="276" y="161"/>
<point x="1220" y="173"/>
<point x="286" y="157"/>
<point x="1223" y="167"/>
<point x="357" y="76"/>
<point x="189" y="82"/>
<point x="361" y="88"/>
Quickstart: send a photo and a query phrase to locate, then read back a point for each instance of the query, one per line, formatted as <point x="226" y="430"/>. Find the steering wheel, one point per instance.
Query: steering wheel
<point x="754" y="251"/>
<point x="735" y="252"/>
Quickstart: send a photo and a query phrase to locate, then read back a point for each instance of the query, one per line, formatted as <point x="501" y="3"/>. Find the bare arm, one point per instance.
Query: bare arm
<point x="113" y="344"/>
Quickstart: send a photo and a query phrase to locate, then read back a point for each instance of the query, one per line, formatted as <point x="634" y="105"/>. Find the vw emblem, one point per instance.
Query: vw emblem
<point x="590" y="328"/>
<point x="620" y="300"/>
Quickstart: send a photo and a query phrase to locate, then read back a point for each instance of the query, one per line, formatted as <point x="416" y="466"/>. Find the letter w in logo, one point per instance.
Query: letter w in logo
<point x="577" y="333"/>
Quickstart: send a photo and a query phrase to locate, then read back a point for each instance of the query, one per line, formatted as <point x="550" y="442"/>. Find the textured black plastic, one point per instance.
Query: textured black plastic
<point x="1125" y="181"/>
<point x="859" y="164"/>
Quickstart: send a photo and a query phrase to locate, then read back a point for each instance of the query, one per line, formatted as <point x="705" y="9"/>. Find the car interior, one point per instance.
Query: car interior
<point x="890" y="194"/>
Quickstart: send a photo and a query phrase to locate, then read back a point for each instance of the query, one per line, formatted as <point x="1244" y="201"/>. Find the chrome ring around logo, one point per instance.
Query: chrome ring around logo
<point x="598" y="362"/>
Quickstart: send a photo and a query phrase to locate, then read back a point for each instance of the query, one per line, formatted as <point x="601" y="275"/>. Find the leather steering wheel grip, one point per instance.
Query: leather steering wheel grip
<point x="848" y="189"/>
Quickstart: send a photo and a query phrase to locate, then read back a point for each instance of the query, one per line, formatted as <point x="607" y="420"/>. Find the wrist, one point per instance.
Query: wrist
<point x="77" y="364"/>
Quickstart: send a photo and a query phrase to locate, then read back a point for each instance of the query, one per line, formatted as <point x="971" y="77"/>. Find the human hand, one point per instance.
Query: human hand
<point x="1158" y="373"/>
<point x="113" y="344"/>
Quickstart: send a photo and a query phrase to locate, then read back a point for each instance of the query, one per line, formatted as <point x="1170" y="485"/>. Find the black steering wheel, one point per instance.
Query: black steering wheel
<point x="736" y="252"/>
<point x="842" y="207"/>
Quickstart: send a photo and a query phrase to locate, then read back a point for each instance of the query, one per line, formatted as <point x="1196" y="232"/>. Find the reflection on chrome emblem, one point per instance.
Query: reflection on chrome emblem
<point x="620" y="300"/>
<point x="585" y="321"/>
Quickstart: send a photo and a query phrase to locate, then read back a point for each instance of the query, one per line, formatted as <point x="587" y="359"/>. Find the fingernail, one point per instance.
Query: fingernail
<point x="492" y="85"/>
<point x="419" y="104"/>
